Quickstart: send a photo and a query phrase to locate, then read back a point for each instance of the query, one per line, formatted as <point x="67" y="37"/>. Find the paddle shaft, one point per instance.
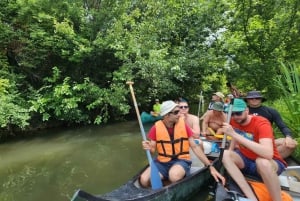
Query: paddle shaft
<point x="225" y="136"/>
<point x="228" y="121"/>
<point x="155" y="176"/>
<point x="137" y="110"/>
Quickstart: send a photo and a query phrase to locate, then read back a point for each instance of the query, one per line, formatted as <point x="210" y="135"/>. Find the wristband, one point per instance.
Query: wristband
<point x="208" y="166"/>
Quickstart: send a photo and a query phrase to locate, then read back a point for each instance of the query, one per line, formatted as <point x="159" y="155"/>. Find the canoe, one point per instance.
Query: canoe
<point x="179" y="191"/>
<point x="289" y="181"/>
<point x="148" y="118"/>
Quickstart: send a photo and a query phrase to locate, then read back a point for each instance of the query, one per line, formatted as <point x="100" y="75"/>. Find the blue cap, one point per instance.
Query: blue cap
<point x="239" y="105"/>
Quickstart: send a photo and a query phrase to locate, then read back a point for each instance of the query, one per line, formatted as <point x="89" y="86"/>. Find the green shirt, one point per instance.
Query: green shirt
<point x="156" y="108"/>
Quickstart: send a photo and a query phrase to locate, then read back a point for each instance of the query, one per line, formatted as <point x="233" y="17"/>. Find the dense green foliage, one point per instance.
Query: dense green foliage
<point x="68" y="61"/>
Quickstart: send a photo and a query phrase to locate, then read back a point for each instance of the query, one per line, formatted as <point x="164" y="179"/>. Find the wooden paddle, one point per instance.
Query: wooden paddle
<point x="156" y="182"/>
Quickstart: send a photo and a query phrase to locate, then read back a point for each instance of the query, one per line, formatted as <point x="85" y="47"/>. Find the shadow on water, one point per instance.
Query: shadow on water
<point x="53" y="165"/>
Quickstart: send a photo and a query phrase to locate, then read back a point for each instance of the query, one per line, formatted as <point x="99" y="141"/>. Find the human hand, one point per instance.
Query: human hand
<point x="227" y="129"/>
<point x="196" y="136"/>
<point x="290" y="142"/>
<point x="204" y="134"/>
<point x="217" y="176"/>
<point x="146" y="145"/>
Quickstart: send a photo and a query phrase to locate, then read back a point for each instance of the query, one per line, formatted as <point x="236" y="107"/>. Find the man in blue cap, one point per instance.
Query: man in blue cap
<point x="252" y="151"/>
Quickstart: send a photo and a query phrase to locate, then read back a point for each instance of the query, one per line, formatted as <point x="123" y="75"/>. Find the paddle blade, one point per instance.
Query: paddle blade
<point x="156" y="182"/>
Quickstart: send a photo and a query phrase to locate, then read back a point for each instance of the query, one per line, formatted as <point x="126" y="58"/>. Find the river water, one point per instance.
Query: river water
<point x="52" y="165"/>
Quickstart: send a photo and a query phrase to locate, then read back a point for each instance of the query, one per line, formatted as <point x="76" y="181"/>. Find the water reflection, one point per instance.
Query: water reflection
<point x="55" y="164"/>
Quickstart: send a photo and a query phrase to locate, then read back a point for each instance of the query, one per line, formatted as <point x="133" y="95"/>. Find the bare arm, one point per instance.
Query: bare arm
<point x="232" y="145"/>
<point x="264" y="148"/>
<point x="196" y="126"/>
<point x="200" y="154"/>
<point x="198" y="151"/>
<point x="205" y="123"/>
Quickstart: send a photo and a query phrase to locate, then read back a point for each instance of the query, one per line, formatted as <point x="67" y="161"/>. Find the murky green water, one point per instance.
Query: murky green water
<point x="52" y="166"/>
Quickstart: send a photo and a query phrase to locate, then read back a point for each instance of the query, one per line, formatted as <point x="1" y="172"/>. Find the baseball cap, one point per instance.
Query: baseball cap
<point x="239" y="105"/>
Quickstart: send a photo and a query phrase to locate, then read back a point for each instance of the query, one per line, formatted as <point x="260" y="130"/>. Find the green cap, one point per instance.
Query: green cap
<point x="239" y="105"/>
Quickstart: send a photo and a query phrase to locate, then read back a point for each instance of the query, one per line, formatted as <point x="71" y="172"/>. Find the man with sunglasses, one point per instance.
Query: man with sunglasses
<point x="191" y="120"/>
<point x="285" y="145"/>
<point x="172" y="139"/>
<point x="252" y="151"/>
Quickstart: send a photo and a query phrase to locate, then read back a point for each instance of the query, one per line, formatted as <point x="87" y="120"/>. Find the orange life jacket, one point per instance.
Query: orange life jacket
<point x="170" y="149"/>
<point x="262" y="192"/>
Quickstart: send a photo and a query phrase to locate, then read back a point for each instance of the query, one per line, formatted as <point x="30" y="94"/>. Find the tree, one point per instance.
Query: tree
<point x="260" y="36"/>
<point x="74" y="57"/>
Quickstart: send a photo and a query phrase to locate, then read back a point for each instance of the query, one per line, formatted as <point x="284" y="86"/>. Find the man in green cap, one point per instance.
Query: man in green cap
<point x="252" y="151"/>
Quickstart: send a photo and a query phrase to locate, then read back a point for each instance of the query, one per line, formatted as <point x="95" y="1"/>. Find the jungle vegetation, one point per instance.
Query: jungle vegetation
<point x="65" y="62"/>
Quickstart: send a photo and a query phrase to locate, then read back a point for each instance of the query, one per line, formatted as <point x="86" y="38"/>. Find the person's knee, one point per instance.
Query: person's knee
<point x="176" y="173"/>
<point x="287" y="149"/>
<point x="145" y="180"/>
<point x="226" y="156"/>
<point x="280" y="144"/>
<point x="265" y="166"/>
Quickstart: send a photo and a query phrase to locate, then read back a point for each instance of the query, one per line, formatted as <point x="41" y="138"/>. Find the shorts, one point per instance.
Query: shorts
<point x="164" y="168"/>
<point x="250" y="166"/>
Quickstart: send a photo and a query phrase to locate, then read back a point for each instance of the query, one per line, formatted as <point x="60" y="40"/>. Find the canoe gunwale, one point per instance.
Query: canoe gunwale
<point x="188" y="186"/>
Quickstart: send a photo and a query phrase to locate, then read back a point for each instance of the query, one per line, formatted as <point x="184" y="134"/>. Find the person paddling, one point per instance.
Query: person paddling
<point x="172" y="139"/>
<point x="252" y="151"/>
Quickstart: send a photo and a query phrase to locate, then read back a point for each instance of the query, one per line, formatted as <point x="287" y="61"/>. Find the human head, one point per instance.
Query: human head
<point x="218" y="96"/>
<point x="218" y="106"/>
<point x="183" y="105"/>
<point x="228" y="98"/>
<point x="254" y="98"/>
<point x="156" y="100"/>
<point x="167" y="107"/>
<point x="239" y="110"/>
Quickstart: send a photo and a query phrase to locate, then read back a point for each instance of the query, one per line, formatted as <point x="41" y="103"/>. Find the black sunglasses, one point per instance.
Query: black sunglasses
<point x="237" y="113"/>
<point x="175" y="112"/>
<point x="184" y="107"/>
